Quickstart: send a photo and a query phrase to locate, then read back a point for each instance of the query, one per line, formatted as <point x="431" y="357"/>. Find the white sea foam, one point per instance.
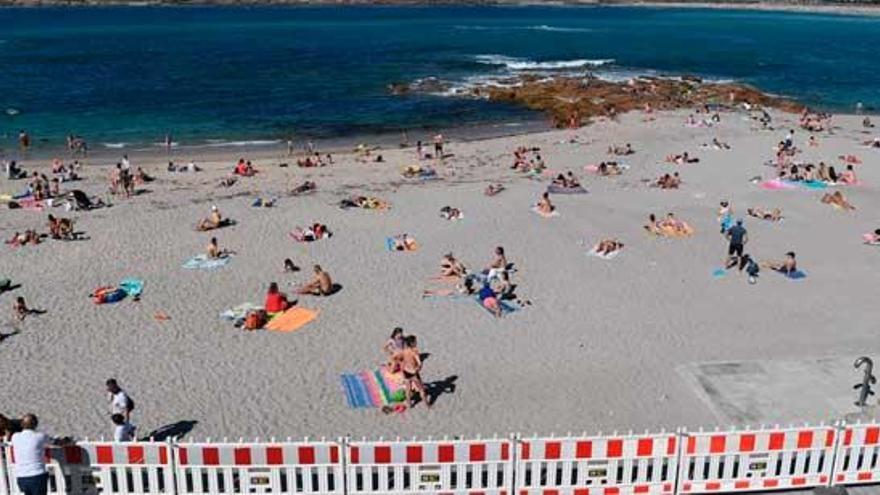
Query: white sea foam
<point x="524" y="64"/>
<point x="559" y="29"/>
<point x="114" y="145"/>
<point x="258" y="142"/>
<point x="539" y="27"/>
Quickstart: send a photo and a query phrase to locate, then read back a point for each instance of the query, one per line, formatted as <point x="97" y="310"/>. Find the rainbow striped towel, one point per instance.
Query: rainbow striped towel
<point x="372" y="388"/>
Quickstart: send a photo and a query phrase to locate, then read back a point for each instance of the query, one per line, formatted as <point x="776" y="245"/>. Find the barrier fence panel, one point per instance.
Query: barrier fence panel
<point x="107" y="468"/>
<point x="615" y="465"/>
<point x="449" y="467"/>
<point x="782" y="458"/>
<point x="857" y="450"/>
<point x="220" y="468"/>
<point x="4" y="478"/>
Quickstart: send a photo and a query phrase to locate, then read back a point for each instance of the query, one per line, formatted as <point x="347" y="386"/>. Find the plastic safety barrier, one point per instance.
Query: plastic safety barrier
<point x="107" y="468"/>
<point x="615" y="465"/>
<point x="780" y="458"/>
<point x="857" y="451"/>
<point x="450" y="467"/>
<point x="303" y="468"/>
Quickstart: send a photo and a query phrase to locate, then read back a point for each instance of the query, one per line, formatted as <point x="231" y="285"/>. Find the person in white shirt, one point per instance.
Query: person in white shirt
<point x="124" y="431"/>
<point x="120" y="402"/>
<point x="29" y="449"/>
<point x="126" y="163"/>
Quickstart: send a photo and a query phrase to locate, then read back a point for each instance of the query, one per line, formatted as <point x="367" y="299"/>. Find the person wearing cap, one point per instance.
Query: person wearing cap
<point x="738" y="237"/>
<point x="29" y="448"/>
<point x="212" y="222"/>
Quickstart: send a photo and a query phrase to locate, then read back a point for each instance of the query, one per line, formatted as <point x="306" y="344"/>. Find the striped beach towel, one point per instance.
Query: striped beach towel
<point x="373" y="388"/>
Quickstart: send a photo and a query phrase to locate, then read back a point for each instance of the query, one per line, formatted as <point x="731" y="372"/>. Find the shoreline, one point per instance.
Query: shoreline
<point x="859" y="9"/>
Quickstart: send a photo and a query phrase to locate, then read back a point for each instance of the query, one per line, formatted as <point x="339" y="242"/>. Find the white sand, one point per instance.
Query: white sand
<point x="599" y="349"/>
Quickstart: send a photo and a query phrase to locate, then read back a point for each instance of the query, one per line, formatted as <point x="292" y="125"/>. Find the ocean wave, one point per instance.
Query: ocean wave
<point x="258" y="142"/>
<point x="114" y="146"/>
<point x="539" y="27"/>
<point x="522" y="64"/>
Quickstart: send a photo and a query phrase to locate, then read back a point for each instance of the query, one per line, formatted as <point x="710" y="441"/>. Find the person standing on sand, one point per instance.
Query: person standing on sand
<point x="290" y="147"/>
<point x="411" y="366"/>
<point x="120" y="402"/>
<point x="738" y="237"/>
<point x="438" y="146"/>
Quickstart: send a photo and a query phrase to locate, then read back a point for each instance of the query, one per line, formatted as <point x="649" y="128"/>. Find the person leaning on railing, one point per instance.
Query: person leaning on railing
<point x="29" y="446"/>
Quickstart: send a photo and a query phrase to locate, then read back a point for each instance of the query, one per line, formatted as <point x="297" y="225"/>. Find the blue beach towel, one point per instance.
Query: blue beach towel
<point x="795" y="275"/>
<point x="202" y="262"/>
<point x="133" y="287"/>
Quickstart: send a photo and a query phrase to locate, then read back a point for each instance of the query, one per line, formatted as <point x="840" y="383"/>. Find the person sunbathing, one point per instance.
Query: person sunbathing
<point x="607" y="246"/>
<point x="786" y="266"/>
<point x="872" y="237"/>
<point x="621" y="150"/>
<point x="227" y="181"/>
<point x="873" y="143"/>
<point x="493" y="189"/>
<point x="837" y="200"/>
<point x="544" y="206"/>
<point x="215" y="221"/>
<point x="489" y="300"/>
<point x="141" y="177"/>
<point x="289" y="267"/>
<point x="451" y="267"/>
<point x="848" y="176"/>
<point x="276" y="301"/>
<point x="23" y="239"/>
<point x="668" y="181"/>
<point x="682" y="159"/>
<point x="404" y="242"/>
<point x="320" y="285"/>
<point x="450" y="213"/>
<point x="718" y="145"/>
<point x="773" y="215"/>
<point x="60" y="228"/>
<point x="673" y="227"/>
<point x="304" y="188"/>
<point x="609" y="168"/>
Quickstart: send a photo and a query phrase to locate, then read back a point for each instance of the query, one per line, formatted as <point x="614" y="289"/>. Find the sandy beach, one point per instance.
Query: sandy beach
<point x="605" y="344"/>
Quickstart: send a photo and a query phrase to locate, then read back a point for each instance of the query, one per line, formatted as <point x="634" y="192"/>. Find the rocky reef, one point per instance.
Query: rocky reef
<point x="573" y="101"/>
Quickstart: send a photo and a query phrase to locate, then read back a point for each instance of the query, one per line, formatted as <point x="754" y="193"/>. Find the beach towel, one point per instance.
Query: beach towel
<point x="391" y="245"/>
<point x="507" y="307"/>
<point x="795" y="275"/>
<point x="238" y="313"/>
<point x="373" y="388"/>
<point x="554" y="213"/>
<point x="813" y="184"/>
<point x="291" y="320"/>
<point x="609" y="256"/>
<point x="132" y="287"/>
<point x="719" y="272"/>
<point x="202" y="262"/>
<point x="555" y="189"/>
<point x="776" y="185"/>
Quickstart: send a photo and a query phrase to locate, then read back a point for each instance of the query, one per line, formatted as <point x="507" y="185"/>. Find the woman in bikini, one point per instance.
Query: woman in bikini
<point x="544" y="206"/>
<point x="773" y="215"/>
<point x="837" y="199"/>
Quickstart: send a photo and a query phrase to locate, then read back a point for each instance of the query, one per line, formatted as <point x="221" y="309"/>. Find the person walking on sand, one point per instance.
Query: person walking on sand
<point x="738" y="237"/>
<point x="438" y="146"/>
<point x="120" y="402"/>
<point x="29" y="446"/>
<point x="24" y="141"/>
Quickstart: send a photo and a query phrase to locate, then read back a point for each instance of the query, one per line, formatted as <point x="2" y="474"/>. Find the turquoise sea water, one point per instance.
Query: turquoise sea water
<point x="217" y="74"/>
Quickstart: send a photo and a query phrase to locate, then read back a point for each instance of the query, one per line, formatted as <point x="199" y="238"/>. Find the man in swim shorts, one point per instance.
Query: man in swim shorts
<point x="738" y="237"/>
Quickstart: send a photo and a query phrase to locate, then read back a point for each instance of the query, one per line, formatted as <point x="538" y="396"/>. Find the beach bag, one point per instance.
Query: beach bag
<point x="255" y="320"/>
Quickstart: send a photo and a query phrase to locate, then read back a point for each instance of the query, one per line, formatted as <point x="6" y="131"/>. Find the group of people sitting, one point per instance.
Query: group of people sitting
<point x="65" y="172"/>
<point x="314" y="160"/>
<point x="61" y="228"/>
<point x="607" y="247"/>
<point x="493" y="281"/>
<point x="244" y="168"/>
<point x="314" y="232"/>
<point x="814" y="121"/>
<point x="609" y="168"/>
<point x="40" y="187"/>
<point x="668" y="227"/>
<point x="667" y="181"/>
<point x="821" y="173"/>
<point x="528" y="160"/>
<point x="566" y="181"/>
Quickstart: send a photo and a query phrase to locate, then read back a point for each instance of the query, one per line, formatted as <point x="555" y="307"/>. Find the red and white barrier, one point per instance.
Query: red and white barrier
<point x="615" y="465"/>
<point x="302" y="468"/>
<point x="774" y="459"/>
<point x="450" y="467"/>
<point x="4" y="477"/>
<point x="104" y="467"/>
<point x="856" y="461"/>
